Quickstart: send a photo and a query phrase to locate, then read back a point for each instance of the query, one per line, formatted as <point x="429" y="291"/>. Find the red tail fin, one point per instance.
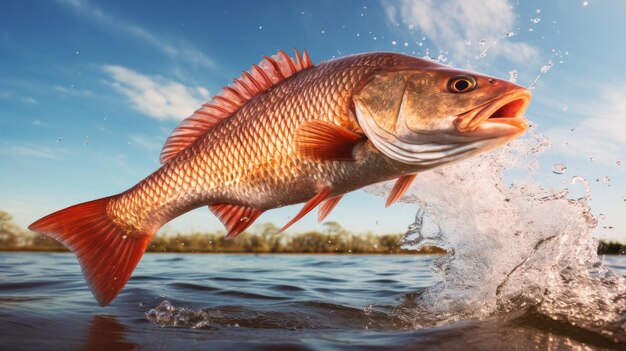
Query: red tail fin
<point x="107" y="255"/>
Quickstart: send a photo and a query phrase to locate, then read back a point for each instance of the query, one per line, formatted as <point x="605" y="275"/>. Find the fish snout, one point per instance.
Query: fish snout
<point x="504" y="113"/>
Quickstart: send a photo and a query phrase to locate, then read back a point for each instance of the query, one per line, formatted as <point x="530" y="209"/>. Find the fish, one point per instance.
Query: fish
<point x="288" y="132"/>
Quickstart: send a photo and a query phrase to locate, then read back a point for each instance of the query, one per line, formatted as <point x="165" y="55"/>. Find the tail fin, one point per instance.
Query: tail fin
<point x="107" y="255"/>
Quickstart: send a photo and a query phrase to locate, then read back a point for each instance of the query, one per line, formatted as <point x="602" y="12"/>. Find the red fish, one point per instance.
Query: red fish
<point x="288" y="132"/>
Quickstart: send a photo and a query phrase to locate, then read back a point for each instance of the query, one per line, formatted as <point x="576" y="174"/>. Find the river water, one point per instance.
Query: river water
<point x="261" y="302"/>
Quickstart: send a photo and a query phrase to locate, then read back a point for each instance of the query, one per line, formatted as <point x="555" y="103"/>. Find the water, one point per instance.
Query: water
<point x="248" y="302"/>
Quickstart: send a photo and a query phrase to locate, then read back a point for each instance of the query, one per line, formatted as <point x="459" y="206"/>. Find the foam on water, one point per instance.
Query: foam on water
<point x="511" y="248"/>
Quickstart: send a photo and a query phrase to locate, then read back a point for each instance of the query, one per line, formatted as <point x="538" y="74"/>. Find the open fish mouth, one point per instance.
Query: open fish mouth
<point x="506" y="110"/>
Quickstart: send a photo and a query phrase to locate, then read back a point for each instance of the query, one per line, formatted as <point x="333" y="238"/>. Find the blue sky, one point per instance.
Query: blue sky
<point x="90" y="90"/>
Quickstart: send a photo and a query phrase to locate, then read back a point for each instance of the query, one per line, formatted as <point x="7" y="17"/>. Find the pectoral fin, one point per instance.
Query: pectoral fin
<point x="322" y="140"/>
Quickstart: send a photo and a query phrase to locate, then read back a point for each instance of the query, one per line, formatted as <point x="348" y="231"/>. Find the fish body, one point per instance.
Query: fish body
<point x="288" y="132"/>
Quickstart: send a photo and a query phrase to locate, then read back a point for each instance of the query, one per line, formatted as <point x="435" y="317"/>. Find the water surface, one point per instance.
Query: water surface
<point x="256" y="302"/>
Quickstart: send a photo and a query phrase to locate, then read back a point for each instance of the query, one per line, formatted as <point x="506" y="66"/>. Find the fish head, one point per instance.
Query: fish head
<point x="435" y="114"/>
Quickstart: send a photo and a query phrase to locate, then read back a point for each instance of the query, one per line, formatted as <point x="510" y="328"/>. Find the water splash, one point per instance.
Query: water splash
<point x="511" y="248"/>
<point x="558" y="168"/>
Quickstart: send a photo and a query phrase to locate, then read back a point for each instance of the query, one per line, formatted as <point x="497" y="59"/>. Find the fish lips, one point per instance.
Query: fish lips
<point x="498" y="118"/>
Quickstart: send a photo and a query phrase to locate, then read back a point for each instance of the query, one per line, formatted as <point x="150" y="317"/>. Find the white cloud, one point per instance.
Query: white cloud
<point x="177" y="50"/>
<point x="72" y="91"/>
<point x="39" y="123"/>
<point x="448" y="24"/>
<point x="31" y="151"/>
<point x="146" y="142"/>
<point x="601" y="131"/>
<point x="29" y="100"/>
<point x="156" y="97"/>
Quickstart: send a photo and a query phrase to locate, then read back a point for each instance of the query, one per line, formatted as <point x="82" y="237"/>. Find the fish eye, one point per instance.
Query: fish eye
<point x="461" y="84"/>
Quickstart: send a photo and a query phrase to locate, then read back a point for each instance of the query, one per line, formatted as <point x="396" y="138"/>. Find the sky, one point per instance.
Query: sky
<point x="89" y="90"/>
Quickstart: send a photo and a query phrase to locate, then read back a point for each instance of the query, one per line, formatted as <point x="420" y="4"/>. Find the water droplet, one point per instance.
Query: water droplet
<point x="513" y="76"/>
<point x="406" y="44"/>
<point x="545" y="68"/>
<point x="124" y="236"/>
<point x="260" y="27"/>
<point x="585" y="3"/>
<point x="510" y="34"/>
<point x="602" y="216"/>
<point x="323" y="31"/>
<point x="394" y="42"/>
<point x="442" y="58"/>
<point x="538" y="11"/>
<point x="468" y="42"/>
<point x="482" y="42"/>
<point x="420" y="44"/>
<point x="59" y="139"/>
<point x="558" y="168"/>
<point x="77" y="52"/>
<point x="536" y="20"/>
<point x="565" y="108"/>
<point x="244" y="219"/>
<point x="624" y="198"/>
<point x="591" y="159"/>
<point x="411" y="26"/>
<point x="423" y="38"/>
<point x="618" y="163"/>
<point x="606" y="180"/>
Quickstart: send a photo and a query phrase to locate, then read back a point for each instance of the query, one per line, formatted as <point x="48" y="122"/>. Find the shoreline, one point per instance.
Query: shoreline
<point x="252" y="253"/>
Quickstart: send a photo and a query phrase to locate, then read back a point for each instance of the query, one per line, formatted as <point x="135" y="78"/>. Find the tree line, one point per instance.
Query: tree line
<point x="263" y="238"/>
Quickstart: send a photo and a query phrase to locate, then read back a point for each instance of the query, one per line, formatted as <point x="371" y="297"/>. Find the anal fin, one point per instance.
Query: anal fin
<point x="308" y="207"/>
<point x="399" y="188"/>
<point x="322" y="140"/>
<point x="236" y="218"/>
<point x="327" y="206"/>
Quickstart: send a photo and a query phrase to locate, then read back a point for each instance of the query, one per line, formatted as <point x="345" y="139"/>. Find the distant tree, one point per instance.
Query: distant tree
<point x="333" y="228"/>
<point x="9" y="232"/>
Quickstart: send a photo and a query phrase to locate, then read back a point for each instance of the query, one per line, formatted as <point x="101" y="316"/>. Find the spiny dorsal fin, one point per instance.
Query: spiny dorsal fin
<point x="236" y="218"/>
<point x="399" y="188"/>
<point x="259" y="78"/>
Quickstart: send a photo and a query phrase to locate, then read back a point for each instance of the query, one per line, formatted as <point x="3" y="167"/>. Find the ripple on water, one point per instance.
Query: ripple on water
<point x="286" y="288"/>
<point x="248" y="295"/>
<point x="190" y="286"/>
<point x="290" y="316"/>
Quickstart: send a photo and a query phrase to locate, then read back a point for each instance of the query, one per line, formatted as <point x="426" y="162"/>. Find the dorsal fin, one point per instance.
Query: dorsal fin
<point x="259" y="78"/>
